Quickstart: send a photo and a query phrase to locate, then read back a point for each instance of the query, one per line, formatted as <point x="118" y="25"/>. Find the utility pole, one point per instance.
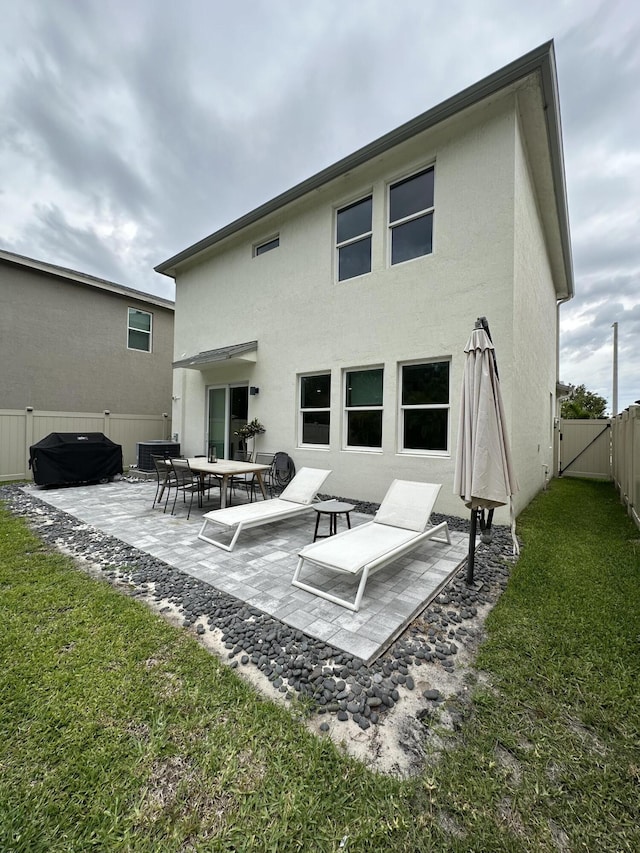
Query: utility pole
<point x="614" y="408"/>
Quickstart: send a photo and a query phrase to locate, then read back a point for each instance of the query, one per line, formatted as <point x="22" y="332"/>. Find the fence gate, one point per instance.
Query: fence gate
<point x="584" y="448"/>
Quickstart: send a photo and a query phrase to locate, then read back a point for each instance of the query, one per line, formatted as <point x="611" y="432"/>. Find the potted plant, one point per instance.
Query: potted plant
<point x="250" y="431"/>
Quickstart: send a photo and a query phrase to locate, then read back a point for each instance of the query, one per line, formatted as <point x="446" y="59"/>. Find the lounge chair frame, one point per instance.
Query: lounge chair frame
<point x="258" y="513"/>
<point x="407" y="540"/>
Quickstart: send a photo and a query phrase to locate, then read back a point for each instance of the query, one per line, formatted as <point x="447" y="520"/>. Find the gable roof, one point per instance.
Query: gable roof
<point x="539" y="62"/>
<point x="84" y="279"/>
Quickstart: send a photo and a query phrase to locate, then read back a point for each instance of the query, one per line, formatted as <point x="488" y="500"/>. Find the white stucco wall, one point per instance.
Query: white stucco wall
<point x="304" y="321"/>
<point x="535" y="327"/>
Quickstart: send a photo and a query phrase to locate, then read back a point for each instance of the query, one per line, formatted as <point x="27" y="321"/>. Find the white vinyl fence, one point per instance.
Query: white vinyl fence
<point x="585" y="448"/>
<point x="626" y="459"/>
<point x="605" y="449"/>
<point x="20" y="428"/>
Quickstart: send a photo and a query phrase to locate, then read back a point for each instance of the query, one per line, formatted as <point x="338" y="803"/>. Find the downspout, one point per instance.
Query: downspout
<point x="559" y="302"/>
<point x="559" y="400"/>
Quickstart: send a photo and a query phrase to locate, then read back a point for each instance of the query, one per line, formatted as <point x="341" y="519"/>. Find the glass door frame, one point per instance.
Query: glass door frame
<point x="231" y="442"/>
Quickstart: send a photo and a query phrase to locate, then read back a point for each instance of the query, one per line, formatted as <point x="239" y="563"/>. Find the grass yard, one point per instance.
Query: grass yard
<point x="119" y="732"/>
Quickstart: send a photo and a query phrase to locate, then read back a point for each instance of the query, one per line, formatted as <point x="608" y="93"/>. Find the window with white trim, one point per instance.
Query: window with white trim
<point x="363" y="408"/>
<point x="411" y="217"/>
<point x="353" y="239"/>
<point x="315" y="409"/>
<point x="139" y="330"/>
<point x="424" y="407"/>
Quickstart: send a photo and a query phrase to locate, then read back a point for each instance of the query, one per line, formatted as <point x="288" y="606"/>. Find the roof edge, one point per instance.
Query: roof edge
<point x="549" y="75"/>
<point x="84" y="278"/>
<point x="540" y="59"/>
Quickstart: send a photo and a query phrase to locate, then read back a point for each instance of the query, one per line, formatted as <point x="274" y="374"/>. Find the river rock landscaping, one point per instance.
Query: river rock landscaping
<point x="335" y="689"/>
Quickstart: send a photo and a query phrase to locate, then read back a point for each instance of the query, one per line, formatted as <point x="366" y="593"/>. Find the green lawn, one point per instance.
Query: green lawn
<point x="119" y="732"/>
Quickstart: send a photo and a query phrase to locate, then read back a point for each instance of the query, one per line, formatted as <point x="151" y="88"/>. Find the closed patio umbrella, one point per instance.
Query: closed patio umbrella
<point x="484" y="475"/>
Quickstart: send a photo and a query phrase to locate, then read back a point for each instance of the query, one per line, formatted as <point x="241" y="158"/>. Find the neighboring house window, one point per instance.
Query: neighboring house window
<point x="315" y="415"/>
<point x="363" y="408"/>
<point x="411" y="217"/>
<point x="261" y="248"/>
<point x="424" y="408"/>
<point x="139" y="330"/>
<point x="353" y="239"/>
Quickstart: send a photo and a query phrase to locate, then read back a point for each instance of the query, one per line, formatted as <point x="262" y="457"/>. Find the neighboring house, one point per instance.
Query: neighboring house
<point x="338" y="312"/>
<point x="70" y="342"/>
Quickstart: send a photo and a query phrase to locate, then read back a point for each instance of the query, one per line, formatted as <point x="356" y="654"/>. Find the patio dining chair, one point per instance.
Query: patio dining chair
<point x="267" y="476"/>
<point x="241" y="481"/>
<point x="208" y="481"/>
<point x="187" y="482"/>
<point x="165" y="480"/>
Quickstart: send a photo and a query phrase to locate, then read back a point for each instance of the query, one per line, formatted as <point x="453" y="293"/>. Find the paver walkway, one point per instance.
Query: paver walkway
<point x="260" y="569"/>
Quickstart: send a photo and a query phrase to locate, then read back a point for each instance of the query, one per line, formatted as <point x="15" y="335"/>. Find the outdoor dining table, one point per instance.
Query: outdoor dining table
<point x="225" y="469"/>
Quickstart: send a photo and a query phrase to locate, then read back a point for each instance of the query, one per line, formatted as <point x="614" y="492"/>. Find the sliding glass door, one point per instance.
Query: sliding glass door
<point x="217" y="421"/>
<point x="227" y="411"/>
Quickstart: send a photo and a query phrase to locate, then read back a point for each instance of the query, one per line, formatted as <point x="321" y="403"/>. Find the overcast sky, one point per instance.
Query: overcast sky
<point x="130" y="129"/>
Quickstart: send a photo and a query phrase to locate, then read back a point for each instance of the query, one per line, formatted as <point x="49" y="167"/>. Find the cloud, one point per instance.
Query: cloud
<point x="58" y="116"/>
<point x="79" y="247"/>
<point x="130" y="130"/>
<point x="598" y="69"/>
<point x="587" y="350"/>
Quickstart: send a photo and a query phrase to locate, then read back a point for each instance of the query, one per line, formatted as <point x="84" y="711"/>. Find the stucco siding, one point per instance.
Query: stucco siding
<point x="304" y="321"/>
<point x="63" y="347"/>
<point x="534" y="348"/>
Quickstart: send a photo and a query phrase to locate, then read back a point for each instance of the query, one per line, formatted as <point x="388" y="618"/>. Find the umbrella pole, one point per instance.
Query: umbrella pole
<point x="472" y="546"/>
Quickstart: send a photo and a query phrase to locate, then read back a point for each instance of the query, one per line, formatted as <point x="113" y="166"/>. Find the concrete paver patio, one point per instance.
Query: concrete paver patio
<point x="260" y="569"/>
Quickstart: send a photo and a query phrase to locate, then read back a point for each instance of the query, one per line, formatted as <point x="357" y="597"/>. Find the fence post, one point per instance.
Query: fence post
<point x="165" y="426"/>
<point x="633" y="462"/>
<point x="615" y="437"/>
<point x="106" y="425"/>
<point x="28" y="436"/>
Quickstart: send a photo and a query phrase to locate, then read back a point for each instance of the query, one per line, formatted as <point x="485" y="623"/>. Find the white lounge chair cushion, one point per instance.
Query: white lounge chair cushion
<point x="304" y="486"/>
<point x="302" y="490"/>
<point x="351" y="550"/>
<point x="408" y="504"/>
<point x="246" y="513"/>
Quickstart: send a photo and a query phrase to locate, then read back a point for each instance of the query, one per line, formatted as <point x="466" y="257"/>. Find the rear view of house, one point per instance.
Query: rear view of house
<point x="337" y="313"/>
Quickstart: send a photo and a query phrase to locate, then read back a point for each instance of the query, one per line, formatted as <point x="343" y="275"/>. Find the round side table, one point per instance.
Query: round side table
<point x="333" y="509"/>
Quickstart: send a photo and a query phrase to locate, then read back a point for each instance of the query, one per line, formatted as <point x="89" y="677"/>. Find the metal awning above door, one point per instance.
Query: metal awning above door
<point x="236" y="352"/>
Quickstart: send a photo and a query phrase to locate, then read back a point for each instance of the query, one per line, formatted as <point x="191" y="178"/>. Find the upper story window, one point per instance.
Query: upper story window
<point x="353" y="239"/>
<point x="267" y="246"/>
<point x="424" y="407"/>
<point x="411" y="217"/>
<point x="315" y="414"/>
<point x="139" y="330"/>
<point x="363" y="408"/>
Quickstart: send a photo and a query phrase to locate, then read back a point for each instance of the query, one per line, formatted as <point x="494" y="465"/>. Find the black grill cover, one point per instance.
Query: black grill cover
<point x="62" y="458"/>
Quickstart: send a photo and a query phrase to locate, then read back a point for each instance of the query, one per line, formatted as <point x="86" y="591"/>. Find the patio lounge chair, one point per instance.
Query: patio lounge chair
<point x="298" y="497"/>
<point x="399" y="526"/>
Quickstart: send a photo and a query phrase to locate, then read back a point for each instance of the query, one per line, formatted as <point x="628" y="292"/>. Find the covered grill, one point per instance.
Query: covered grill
<point x="63" y="458"/>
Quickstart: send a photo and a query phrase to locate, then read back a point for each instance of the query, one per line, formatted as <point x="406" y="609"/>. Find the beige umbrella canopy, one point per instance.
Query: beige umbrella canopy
<point x="484" y="474"/>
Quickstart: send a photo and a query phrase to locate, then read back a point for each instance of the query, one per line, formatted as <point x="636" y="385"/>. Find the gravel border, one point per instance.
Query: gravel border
<point x="332" y="681"/>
